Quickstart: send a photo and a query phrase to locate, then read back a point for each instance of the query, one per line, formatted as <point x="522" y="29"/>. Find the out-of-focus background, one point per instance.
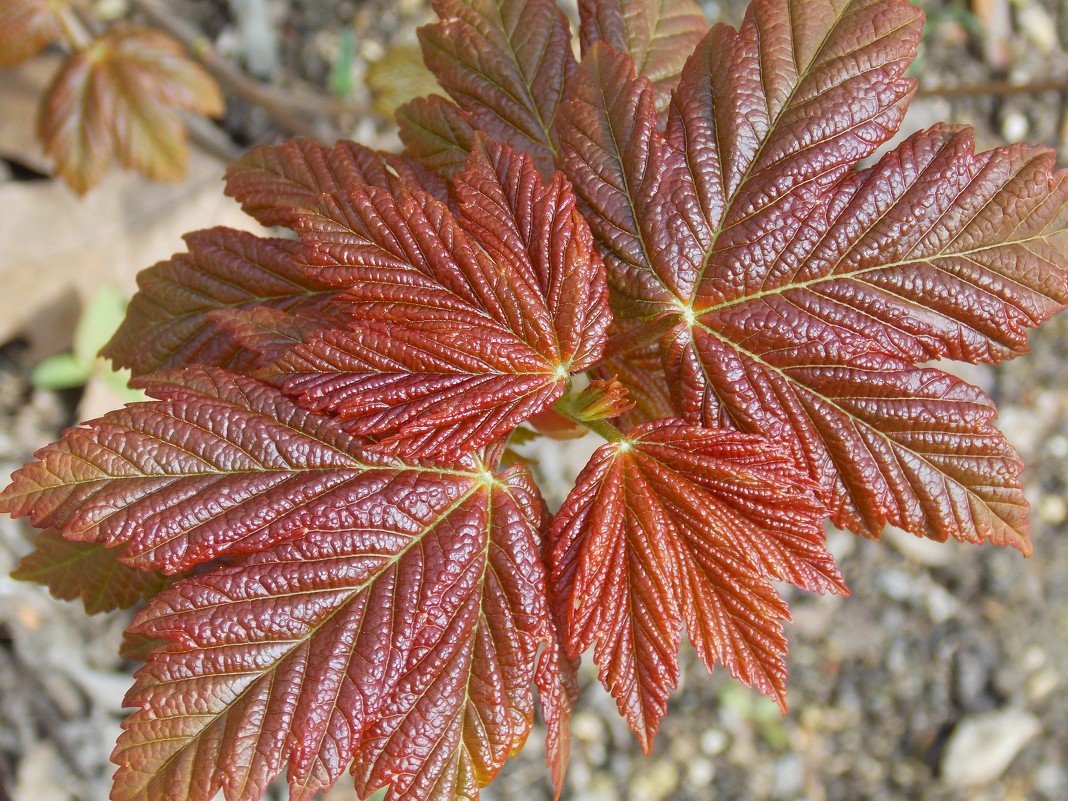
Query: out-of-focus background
<point x="944" y="676"/>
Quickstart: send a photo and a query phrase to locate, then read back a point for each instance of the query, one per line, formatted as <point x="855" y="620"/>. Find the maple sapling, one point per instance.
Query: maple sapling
<point x="339" y="561"/>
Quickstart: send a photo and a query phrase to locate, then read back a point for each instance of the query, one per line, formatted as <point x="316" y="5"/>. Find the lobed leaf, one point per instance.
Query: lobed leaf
<point x="173" y="319"/>
<point x="658" y="36"/>
<point x="934" y="252"/>
<point x="86" y="571"/>
<point x="461" y="327"/>
<point x="26" y="28"/>
<point x="436" y="133"/>
<point x="504" y="62"/>
<point x="219" y="464"/>
<point x="772" y="115"/>
<point x="277" y="184"/>
<point x="679" y="524"/>
<point x="122" y="95"/>
<point x="404" y="636"/>
<point x="806" y="293"/>
<point x="611" y="150"/>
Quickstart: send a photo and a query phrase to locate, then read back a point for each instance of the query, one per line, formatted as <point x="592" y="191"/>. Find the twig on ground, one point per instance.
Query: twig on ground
<point x="305" y="113"/>
<point x="211" y="139"/>
<point x="996" y="88"/>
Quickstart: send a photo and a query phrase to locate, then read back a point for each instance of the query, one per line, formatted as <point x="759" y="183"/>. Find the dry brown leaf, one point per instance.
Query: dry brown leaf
<point x="26" y="27"/>
<point x="122" y="95"/>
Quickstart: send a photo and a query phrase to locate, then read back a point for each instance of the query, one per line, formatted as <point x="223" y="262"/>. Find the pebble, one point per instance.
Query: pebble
<point x="1015" y="127"/>
<point x="1051" y="779"/>
<point x="700" y="772"/>
<point x="1053" y="509"/>
<point x="920" y="549"/>
<point x="941" y="604"/>
<point x="895" y="584"/>
<point x="983" y="746"/>
<point x="655" y="781"/>
<point x="789" y="776"/>
<point x="713" y="742"/>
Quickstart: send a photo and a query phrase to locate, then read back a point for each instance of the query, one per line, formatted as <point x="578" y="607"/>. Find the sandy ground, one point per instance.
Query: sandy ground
<point x="942" y="677"/>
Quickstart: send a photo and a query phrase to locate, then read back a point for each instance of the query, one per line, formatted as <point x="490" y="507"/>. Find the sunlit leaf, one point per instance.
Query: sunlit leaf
<point x="675" y="525"/>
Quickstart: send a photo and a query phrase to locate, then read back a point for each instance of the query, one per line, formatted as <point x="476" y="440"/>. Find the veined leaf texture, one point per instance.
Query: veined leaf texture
<point x="335" y="565"/>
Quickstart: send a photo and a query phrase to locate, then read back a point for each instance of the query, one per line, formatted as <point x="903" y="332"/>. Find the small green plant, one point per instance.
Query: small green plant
<point x="97" y="324"/>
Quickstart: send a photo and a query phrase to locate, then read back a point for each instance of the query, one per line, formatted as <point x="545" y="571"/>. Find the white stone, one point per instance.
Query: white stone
<point x="984" y="745"/>
<point x="928" y="553"/>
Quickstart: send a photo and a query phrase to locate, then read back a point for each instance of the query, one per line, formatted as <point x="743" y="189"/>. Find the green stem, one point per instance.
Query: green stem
<point x="75" y="32"/>
<point x="602" y="428"/>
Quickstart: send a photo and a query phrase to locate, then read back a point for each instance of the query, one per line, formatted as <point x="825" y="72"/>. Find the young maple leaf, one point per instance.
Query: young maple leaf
<point x="387" y="604"/>
<point x="436" y="133"/>
<point x="370" y="584"/>
<point x="461" y="327"/>
<point x="806" y="295"/>
<point x="122" y="95"/>
<point x="281" y="184"/>
<point x="172" y="321"/>
<point x="505" y="63"/>
<point x="659" y="36"/>
<point x="684" y="524"/>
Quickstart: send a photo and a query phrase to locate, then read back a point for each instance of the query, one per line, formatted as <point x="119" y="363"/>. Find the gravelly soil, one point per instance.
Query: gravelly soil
<point x="937" y="643"/>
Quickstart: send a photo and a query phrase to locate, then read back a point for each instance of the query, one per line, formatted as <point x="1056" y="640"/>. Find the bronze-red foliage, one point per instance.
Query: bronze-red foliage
<point x="341" y="570"/>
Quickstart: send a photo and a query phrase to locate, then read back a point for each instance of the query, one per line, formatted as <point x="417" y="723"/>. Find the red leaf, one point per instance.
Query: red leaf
<point x="677" y="525"/>
<point x="933" y="252"/>
<point x="804" y="293"/>
<point x="170" y="323"/>
<point x="220" y="464"/>
<point x="614" y="155"/>
<point x="659" y="36"/>
<point x="278" y="183"/>
<point x="26" y="27"/>
<point x="404" y="636"/>
<point x="436" y="133"/>
<point x="504" y="62"/>
<point x="123" y="95"/>
<point x="774" y="114"/>
<point x="462" y="328"/>
<point x="86" y="571"/>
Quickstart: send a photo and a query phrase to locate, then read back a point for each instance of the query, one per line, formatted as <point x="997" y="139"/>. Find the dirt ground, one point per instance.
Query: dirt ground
<point x="943" y="677"/>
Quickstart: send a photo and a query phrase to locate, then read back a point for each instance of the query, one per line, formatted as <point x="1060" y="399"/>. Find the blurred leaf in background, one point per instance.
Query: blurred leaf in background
<point x="399" y="76"/>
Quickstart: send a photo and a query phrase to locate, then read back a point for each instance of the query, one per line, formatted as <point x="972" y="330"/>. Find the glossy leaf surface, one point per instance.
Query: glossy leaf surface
<point x="659" y="36"/>
<point x="680" y="524"/>
<point x="616" y="158"/>
<point x="806" y="294"/>
<point x="439" y="568"/>
<point x="504" y="62"/>
<point x="219" y="465"/>
<point x="277" y="184"/>
<point x="354" y="575"/>
<point x="461" y="327"/>
<point x="169" y="322"/>
<point x="405" y="636"/>
<point x="123" y="95"/>
<point x="436" y="133"/>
